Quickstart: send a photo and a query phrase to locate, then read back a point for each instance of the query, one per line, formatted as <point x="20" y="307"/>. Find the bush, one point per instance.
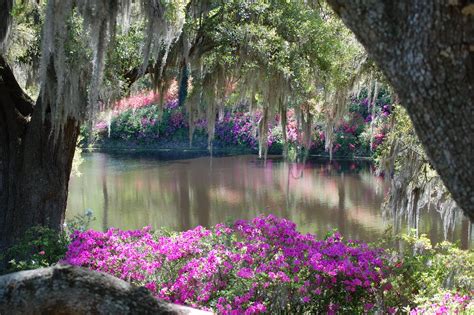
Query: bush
<point x="446" y="303"/>
<point x="265" y="266"/>
<point x="425" y="273"/>
<point x="139" y="120"/>
<point x="39" y="247"/>
<point x="42" y="246"/>
<point x="257" y="266"/>
<point x="236" y="130"/>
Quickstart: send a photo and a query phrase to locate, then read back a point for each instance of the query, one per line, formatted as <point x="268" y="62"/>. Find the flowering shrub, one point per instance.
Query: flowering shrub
<point x="378" y="139"/>
<point x="138" y="119"/>
<point x="145" y="124"/>
<point x="237" y="129"/>
<point x="422" y="270"/>
<point x="139" y="100"/>
<point x="446" y="303"/>
<point x="240" y="128"/>
<point x="251" y="267"/>
<point x="291" y="127"/>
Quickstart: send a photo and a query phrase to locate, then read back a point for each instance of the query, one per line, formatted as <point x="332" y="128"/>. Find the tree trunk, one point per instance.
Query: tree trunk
<point x="34" y="167"/>
<point x="426" y="50"/>
<point x="5" y="19"/>
<point x="74" y="290"/>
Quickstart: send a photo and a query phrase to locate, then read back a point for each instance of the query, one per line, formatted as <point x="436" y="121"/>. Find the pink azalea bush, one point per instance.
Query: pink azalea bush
<point x="139" y="100"/>
<point x="444" y="304"/>
<point x="138" y="120"/>
<point x="241" y="128"/>
<point x="237" y="129"/>
<point x="260" y="266"/>
<point x="143" y="99"/>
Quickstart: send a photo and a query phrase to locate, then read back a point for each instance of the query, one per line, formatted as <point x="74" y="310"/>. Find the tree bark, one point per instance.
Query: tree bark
<point x="34" y="167"/>
<point x="5" y="19"/>
<point x="74" y="290"/>
<point x="425" y="49"/>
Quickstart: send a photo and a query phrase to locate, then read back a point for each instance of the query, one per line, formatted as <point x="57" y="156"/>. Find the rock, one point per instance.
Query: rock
<point x="74" y="290"/>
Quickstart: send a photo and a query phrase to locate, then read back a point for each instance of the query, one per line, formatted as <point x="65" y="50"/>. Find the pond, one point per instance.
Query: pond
<point x="129" y="191"/>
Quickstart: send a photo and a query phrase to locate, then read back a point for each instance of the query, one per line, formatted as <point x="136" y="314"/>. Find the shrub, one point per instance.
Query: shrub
<point x="446" y="303"/>
<point x="139" y="120"/>
<point x="257" y="266"/>
<point x="42" y="246"/>
<point x="39" y="247"/>
<point x="237" y="129"/>
<point x="424" y="270"/>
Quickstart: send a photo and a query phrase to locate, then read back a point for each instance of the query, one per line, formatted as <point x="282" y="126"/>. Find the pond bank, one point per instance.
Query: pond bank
<point x="184" y="150"/>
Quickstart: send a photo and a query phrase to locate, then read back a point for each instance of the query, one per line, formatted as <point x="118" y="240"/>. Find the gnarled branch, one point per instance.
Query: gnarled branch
<point x="425" y="49"/>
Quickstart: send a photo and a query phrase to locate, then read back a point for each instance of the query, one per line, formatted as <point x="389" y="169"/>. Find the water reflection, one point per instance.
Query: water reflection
<point x="130" y="192"/>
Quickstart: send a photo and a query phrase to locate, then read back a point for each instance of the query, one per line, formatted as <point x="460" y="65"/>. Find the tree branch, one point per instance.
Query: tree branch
<point x="22" y="102"/>
<point x="425" y="49"/>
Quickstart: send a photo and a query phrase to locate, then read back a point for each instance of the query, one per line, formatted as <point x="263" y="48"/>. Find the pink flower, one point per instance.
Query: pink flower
<point x="368" y="306"/>
<point x="245" y="273"/>
<point x="194" y="267"/>
<point x="42" y="253"/>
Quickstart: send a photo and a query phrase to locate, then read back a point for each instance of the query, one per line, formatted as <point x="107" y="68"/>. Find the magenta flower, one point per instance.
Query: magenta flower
<point x="211" y="269"/>
<point x="245" y="273"/>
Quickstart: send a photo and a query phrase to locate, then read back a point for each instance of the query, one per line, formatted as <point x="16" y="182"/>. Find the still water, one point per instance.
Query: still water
<point x="132" y="191"/>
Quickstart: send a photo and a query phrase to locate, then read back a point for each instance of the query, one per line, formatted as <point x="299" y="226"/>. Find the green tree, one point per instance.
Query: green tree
<point x="84" y="54"/>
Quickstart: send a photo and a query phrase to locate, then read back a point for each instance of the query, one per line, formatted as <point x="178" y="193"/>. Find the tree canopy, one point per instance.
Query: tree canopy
<point x="75" y="57"/>
<point x="268" y="53"/>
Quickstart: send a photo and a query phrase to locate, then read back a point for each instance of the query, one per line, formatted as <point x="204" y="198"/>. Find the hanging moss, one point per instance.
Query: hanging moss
<point x="372" y="104"/>
<point x="264" y="63"/>
<point x="283" y="123"/>
<point x="263" y="134"/>
<point x="71" y="73"/>
<point x="414" y="185"/>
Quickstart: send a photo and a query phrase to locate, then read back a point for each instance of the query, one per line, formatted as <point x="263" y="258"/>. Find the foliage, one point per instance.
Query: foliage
<point x="23" y="45"/>
<point x="403" y="133"/>
<point x="42" y="246"/>
<point x="125" y="57"/>
<point x="446" y="303"/>
<point x="359" y="134"/>
<point x="237" y="129"/>
<point x="79" y="222"/>
<point x="425" y="273"/>
<point x="39" y="247"/>
<point x="139" y="119"/>
<point x="414" y="184"/>
<point x="286" y="38"/>
<point x="146" y="124"/>
<point x="273" y="55"/>
<point x="265" y="266"/>
<point x="257" y="266"/>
